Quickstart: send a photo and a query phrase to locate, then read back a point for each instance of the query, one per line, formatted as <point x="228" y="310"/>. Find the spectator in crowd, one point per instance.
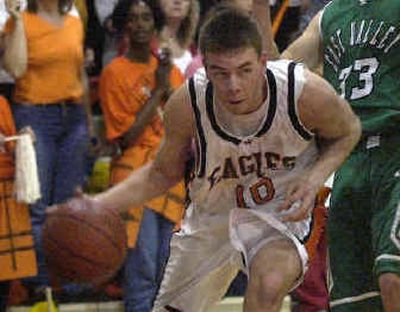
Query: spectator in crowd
<point x="102" y="40"/>
<point x="44" y="53"/>
<point x="180" y="18"/>
<point x="133" y="89"/>
<point x="15" y="225"/>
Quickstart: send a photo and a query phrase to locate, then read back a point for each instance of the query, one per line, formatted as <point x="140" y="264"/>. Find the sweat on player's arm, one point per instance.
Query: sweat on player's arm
<point x="167" y="169"/>
<point x="337" y="129"/>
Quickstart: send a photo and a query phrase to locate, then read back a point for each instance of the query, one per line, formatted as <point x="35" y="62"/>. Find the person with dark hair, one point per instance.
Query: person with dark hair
<point x="44" y="53"/>
<point x="357" y="45"/>
<point x="256" y="174"/>
<point x="133" y="90"/>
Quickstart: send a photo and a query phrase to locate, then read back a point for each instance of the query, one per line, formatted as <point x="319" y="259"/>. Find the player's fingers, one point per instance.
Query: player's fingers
<point x="292" y="196"/>
<point x="300" y="211"/>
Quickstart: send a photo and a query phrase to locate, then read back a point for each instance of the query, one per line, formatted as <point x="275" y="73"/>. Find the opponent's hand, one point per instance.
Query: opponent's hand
<point x="13" y="8"/>
<point x="299" y="201"/>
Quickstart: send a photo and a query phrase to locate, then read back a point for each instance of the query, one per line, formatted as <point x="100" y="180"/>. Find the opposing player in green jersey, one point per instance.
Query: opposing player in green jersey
<point x="358" y="44"/>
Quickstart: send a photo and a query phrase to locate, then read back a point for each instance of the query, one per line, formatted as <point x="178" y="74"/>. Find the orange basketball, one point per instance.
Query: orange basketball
<point x="83" y="244"/>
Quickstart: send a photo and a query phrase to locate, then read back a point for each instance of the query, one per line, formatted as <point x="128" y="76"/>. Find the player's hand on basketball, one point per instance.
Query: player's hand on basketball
<point x="80" y="200"/>
<point x="299" y="201"/>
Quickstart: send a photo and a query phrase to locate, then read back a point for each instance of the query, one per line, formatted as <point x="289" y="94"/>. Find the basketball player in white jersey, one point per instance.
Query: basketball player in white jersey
<point x="266" y="140"/>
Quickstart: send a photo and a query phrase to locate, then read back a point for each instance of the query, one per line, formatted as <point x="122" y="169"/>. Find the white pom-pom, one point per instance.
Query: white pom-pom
<point x="26" y="186"/>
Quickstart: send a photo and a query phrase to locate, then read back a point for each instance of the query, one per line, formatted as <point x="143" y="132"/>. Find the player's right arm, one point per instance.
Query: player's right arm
<point x="307" y="48"/>
<point x="156" y="177"/>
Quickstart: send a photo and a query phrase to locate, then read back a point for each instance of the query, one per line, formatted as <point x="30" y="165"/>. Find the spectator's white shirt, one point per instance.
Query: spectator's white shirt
<point x="104" y="9"/>
<point x="74" y="11"/>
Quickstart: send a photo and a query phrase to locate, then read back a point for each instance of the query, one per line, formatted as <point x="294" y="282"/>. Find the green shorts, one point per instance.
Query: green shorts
<point x="363" y="225"/>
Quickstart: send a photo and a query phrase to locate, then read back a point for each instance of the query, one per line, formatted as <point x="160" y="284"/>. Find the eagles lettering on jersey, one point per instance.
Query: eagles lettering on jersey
<point x="241" y="166"/>
<point x="249" y="171"/>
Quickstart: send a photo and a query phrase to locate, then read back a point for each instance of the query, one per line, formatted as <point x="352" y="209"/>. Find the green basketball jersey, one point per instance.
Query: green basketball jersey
<point x="361" y="40"/>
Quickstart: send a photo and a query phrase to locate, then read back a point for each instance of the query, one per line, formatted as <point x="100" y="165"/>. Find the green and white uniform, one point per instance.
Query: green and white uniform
<point x="361" y="40"/>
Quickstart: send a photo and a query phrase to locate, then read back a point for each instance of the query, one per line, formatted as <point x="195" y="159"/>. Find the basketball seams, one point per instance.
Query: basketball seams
<point x="74" y="274"/>
<point x="98" y="229"/>
<point x="76" y="255"/>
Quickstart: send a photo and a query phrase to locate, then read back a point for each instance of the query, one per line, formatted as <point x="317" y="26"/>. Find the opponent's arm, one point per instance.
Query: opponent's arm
<point x="261" y="11"/>
<point x="337" y="130"/>
<point x="308" y="47"/>
<point x="155" y="178"/>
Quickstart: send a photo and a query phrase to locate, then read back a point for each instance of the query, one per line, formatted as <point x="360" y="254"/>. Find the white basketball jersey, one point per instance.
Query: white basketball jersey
<point x="233" y="171"/>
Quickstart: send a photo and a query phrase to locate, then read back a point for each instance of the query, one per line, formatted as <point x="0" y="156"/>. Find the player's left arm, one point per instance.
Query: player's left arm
<point x="337" y="130"/>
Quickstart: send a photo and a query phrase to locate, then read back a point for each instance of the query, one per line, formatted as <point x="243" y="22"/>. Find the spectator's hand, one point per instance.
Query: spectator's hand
<point x="13" y="8"/>
<point x="108" y="26"/>
<point x="28" y="130"/>
<point x="2" y="143"/>
<point x="299" y="201"/>
<point x="163" y="71"/>
<point x="89" y="58"/>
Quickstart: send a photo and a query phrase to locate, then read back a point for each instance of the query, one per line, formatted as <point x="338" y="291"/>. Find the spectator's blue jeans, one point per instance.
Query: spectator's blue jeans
<point x="144" y="265"/>
<point x="61" y="147"/>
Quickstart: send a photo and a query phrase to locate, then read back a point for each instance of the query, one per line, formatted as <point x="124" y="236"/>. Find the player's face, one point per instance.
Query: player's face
<point x="140" y="24"/>
<point x="237" y="78"/>
<point x="175" y="9"/>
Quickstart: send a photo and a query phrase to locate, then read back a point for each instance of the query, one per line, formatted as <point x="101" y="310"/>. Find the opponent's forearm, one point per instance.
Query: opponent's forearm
<point x="16" y="52"/>
<point x="333" y="153"/>
<point x="261" y="11"/>
<point x="307" y="48"/>
<point x="142" y="185"/>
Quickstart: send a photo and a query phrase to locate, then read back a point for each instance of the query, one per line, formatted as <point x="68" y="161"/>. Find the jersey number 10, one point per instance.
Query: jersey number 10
<point x="260" y="193"/>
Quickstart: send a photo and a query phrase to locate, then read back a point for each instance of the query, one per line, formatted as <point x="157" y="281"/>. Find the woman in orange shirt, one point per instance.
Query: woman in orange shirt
<point x="44" y="53"/>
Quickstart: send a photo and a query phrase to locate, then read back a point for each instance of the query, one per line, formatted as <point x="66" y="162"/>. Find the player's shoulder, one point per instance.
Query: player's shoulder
<point x="199" y="78"/>
<point x="281" y="69"/>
